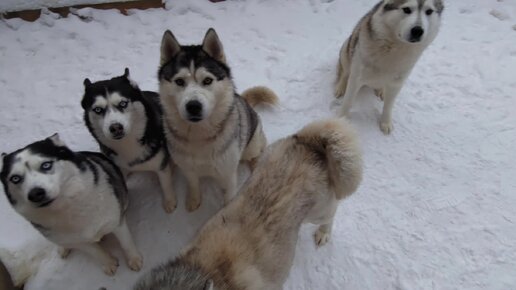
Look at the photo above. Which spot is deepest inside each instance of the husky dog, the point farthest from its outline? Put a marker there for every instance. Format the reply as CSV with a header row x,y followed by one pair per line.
x,y
209,128
250,243
71,198
127,124
383,49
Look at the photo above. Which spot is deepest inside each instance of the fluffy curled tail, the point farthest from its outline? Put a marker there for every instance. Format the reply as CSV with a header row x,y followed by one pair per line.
x,y
260,95
336,139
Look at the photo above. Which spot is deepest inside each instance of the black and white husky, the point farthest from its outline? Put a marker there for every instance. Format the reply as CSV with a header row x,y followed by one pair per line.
x,y
72,198
126,122
208,126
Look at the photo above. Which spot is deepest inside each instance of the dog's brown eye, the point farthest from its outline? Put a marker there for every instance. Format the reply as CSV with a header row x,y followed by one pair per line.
x,y
180,82
429,12
207,81
407,10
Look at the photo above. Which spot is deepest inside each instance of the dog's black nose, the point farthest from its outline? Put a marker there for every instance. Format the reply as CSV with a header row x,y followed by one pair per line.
x,y
416,32
37,194
116,129
194,108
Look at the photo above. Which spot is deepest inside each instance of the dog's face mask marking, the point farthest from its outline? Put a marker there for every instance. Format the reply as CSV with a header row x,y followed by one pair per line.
x,y
413,21
193,79
112,106
32,177
112,115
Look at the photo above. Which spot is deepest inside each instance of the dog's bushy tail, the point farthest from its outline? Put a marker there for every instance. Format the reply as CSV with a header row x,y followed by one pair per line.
x,y
260,95
336,139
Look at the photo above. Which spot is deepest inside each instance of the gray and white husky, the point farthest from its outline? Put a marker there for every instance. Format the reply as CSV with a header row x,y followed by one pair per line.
x,y
251,242
72,198
127,124
383,48
208,126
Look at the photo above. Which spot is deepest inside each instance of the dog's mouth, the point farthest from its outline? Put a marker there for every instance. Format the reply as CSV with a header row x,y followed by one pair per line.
x,y
195,119
118,136
45,203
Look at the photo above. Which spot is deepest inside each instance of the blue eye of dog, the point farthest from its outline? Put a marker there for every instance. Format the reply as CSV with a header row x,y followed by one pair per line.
x,y
15,179
180,82
45,166
407,10
98,110
207,81
429,12
123,104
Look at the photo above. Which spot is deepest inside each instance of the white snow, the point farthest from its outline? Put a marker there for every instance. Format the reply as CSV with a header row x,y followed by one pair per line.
x,y
19,5
437,206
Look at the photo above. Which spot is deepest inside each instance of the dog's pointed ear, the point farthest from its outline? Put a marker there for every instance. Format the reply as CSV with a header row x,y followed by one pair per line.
x,y
208,285
169,47
128,77
2,159
212,46
56,140
87,82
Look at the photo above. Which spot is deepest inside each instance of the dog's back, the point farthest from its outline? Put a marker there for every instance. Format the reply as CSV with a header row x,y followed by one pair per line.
x,y
250,243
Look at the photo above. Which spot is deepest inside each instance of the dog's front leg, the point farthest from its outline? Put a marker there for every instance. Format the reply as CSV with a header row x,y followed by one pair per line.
x,y
133,256
166,181
109,263
389,94
193,199
228,182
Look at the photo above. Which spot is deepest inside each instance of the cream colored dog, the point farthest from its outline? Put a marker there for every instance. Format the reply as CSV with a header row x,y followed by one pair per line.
x,y
383,48
250,243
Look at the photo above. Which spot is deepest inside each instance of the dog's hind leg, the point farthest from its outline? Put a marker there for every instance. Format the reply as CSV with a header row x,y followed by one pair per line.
x,y
323,233
166,181
109,263
63,252
229,183
343,71
133,256
342,81
352,89
255,148
389,94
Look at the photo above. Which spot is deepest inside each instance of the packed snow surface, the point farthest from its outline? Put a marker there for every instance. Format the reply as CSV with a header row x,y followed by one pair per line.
x,y
437,206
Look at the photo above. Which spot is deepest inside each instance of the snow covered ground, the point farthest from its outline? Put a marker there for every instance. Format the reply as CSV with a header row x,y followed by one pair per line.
x,y
437,207
19,5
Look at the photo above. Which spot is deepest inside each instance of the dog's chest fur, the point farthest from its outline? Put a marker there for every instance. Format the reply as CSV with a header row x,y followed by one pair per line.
x,y
84,213
129,154
386,62
210,148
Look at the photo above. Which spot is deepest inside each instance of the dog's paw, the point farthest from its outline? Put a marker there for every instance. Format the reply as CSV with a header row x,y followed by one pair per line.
x,y
386,127
321,237
111,267
192,203
339,92
135,263
64,252
169,205
379,94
